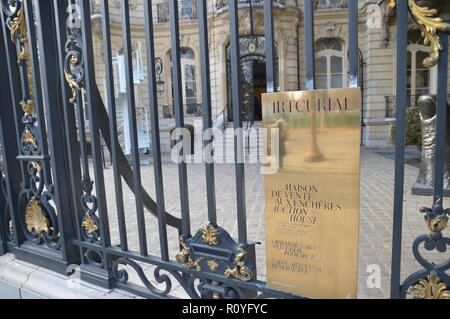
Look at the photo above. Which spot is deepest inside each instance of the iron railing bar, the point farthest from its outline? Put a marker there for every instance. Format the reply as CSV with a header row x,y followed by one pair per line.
x,y
82,132
15,73
14,80
92,102
156,139
353,43
237,119
37,86
207,113
270,49
22,73
10,148
310,46
109,85
46,29
176,266
441,120
137,182
179,113
73,154
402,44
125,167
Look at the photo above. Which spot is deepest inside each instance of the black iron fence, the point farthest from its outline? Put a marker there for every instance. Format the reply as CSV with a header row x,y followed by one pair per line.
x,y
54,203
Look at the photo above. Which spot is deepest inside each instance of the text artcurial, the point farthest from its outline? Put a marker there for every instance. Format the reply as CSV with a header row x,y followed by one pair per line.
x,y
321,104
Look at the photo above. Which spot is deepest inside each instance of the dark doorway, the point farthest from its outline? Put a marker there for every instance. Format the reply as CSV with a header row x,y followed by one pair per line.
x,y
259,87
253,76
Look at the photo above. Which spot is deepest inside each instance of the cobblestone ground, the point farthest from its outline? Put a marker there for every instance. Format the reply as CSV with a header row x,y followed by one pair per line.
x,y
377,181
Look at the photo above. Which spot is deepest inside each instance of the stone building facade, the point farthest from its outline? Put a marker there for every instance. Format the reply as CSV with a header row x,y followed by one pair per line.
x,y
377,60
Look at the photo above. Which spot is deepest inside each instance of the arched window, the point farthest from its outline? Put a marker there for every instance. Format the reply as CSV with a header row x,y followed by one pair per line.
x,y
421,80
329,63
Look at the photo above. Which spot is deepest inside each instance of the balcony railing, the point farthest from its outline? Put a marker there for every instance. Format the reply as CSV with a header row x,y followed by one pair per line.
x,y
331,4
187,10
391,103
189,110
220,4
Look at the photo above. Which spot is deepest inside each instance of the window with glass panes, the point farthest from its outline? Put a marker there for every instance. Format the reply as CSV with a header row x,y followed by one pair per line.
x,y
329,63
419,77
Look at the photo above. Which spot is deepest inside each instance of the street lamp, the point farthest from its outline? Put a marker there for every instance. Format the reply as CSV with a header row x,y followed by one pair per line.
x,y
160,85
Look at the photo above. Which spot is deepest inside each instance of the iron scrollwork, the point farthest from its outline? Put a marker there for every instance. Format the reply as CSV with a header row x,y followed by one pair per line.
x,y
74,76
241,270
39,221
7,223
199,257
432,282
184,257
429,23
73,65
213,250
195,286
121,275
90,222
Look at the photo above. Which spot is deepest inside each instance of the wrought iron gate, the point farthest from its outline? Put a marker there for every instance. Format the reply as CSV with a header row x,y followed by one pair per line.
x,y
54,208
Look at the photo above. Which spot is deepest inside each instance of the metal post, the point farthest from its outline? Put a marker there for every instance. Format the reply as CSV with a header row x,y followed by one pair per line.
x,y
206,99
156,139
309,45
126,30
10,125
113,125
270,47
237,119
353,43
402,44
73,154
179,113
441,120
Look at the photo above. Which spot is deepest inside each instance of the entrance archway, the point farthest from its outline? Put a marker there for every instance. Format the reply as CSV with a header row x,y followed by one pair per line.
x,y
253,76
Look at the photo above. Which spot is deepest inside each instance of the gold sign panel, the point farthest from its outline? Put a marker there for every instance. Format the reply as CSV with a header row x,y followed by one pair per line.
x,y
312,196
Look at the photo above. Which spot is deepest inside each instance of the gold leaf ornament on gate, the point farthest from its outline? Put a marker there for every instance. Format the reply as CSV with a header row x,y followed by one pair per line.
x,y
438,224
28,107
70,78
430,288
18,26
209,235
241,270
212,265
35,219
184,257
28,137
429,23
89,224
